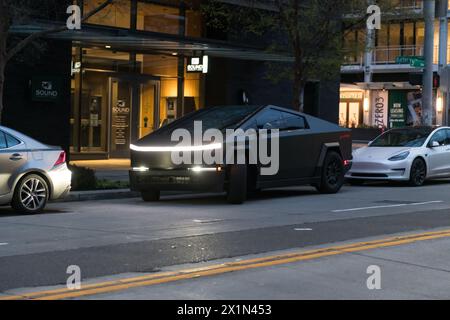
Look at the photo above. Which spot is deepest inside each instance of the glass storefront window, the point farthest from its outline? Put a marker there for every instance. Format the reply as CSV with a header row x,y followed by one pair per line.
x,y
157,18
117,14
167,19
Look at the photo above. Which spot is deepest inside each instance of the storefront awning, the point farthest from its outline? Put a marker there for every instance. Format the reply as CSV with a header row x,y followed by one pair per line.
x,y
148,42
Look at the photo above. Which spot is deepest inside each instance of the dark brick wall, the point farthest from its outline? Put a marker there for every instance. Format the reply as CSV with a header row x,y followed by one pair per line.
x,y
228,78
47,122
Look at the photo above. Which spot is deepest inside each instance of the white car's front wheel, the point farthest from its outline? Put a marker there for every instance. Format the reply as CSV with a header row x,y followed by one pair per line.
x,y
418,173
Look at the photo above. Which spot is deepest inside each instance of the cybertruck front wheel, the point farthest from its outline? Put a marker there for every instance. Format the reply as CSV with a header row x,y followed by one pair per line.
x,y
333,174
31,195
237,184
151,195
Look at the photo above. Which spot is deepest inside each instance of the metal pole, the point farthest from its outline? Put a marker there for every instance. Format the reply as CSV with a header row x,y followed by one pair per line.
x,y
443,32
429,14
442,10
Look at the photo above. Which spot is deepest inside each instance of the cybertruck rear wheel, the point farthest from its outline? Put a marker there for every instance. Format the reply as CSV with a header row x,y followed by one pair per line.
x,y
151,195
333,174
237,184
31,195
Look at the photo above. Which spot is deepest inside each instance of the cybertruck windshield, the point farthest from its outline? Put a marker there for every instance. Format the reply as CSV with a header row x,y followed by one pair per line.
x,y
216,118
402,138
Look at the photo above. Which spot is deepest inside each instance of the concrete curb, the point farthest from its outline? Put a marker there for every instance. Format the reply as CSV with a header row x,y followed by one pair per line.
x,y
99,195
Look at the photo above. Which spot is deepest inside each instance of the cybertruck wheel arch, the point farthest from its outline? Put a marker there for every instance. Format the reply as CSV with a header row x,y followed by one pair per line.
x,y
331,146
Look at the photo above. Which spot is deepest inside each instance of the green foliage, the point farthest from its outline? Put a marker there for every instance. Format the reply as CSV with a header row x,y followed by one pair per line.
x,y
310,31
83,178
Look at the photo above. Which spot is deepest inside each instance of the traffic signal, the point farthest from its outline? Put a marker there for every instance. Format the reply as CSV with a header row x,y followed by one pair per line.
x,y
416,79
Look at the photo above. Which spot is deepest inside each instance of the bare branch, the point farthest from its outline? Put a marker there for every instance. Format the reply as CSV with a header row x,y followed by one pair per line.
x,y
26,41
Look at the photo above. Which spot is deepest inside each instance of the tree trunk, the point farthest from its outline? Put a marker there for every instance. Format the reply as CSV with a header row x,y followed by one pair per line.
x,y
298,91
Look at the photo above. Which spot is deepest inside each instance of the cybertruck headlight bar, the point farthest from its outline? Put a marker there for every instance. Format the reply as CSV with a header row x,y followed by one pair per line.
x,y
214,146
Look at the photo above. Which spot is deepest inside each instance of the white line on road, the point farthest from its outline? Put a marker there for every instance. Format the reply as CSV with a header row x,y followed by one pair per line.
x,y
390,206
303,229
3,243
207,221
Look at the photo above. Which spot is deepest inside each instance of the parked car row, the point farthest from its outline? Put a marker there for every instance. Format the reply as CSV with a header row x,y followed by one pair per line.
x,y
311,151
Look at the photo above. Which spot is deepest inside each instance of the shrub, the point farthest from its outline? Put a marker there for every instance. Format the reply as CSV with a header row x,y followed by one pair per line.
x,y
83,178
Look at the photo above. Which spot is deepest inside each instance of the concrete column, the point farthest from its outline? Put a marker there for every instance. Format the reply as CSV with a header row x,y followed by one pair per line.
x,y
429,15
181,61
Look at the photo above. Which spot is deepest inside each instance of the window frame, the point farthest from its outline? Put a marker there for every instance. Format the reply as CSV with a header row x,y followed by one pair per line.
x,y
5,134
305,122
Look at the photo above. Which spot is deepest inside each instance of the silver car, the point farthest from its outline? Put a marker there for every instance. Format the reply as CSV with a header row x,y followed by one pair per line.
x,y
412,155
31,173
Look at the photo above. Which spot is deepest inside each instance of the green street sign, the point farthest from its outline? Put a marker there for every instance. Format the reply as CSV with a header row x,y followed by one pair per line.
x,y
409,60
417,63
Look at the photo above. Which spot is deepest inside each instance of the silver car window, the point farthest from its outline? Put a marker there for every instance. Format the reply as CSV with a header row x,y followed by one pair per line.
x,y
3,144
11,141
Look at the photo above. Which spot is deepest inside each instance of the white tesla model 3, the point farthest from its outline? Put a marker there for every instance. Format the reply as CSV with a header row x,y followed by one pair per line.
x,y
413,155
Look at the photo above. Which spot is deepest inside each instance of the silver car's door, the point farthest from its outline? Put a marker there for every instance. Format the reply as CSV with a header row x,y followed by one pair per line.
x,y
447,154
438,156
13,156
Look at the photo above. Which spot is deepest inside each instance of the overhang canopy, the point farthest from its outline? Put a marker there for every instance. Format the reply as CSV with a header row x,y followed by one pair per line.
x,y
149,42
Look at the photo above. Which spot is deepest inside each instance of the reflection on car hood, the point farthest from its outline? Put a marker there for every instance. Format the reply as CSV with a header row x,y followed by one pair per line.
x,y
378,153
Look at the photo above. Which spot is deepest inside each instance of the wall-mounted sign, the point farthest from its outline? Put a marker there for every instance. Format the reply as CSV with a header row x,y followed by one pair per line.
x,y
76,67
45,89
352,95
397,115
380,108
198,65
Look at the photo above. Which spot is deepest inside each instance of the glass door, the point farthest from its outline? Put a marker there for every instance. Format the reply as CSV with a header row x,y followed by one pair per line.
x,y
120,103
149,115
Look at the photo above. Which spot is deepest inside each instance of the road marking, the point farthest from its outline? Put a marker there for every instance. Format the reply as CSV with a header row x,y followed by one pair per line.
x,y
4,243
388,206
303,229
208,271
208,221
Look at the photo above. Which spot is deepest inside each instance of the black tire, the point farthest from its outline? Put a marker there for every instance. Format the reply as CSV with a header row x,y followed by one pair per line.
x,y
333,174
237,184
418,173
31,195
151,195
356,182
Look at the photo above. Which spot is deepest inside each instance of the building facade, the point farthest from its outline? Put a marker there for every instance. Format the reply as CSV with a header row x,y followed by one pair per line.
x,y
381,79
134,67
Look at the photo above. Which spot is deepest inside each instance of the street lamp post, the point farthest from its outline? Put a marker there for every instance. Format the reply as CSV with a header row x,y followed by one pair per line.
x,y
442,12
429,15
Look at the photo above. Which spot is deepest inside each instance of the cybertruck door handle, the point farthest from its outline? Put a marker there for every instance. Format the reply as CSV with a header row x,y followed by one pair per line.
x,y
16,157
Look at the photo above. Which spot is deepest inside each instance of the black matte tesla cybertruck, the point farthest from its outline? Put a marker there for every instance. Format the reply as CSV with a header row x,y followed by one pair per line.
x,y
311,152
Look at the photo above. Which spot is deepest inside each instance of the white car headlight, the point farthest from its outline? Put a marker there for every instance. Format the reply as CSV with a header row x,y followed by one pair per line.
x,y
400,157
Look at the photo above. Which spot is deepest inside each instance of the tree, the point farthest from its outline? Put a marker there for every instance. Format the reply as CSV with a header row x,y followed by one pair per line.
x,y
20,12
310,31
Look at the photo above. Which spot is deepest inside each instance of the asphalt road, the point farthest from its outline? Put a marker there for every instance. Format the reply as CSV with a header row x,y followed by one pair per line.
x,y
114,238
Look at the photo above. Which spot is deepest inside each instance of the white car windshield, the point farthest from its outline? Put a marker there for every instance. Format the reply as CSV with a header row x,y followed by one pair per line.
x,y
403,138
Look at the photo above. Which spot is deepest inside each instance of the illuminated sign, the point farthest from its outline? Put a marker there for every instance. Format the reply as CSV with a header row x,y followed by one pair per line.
x,y
46,89
198,65
351,95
